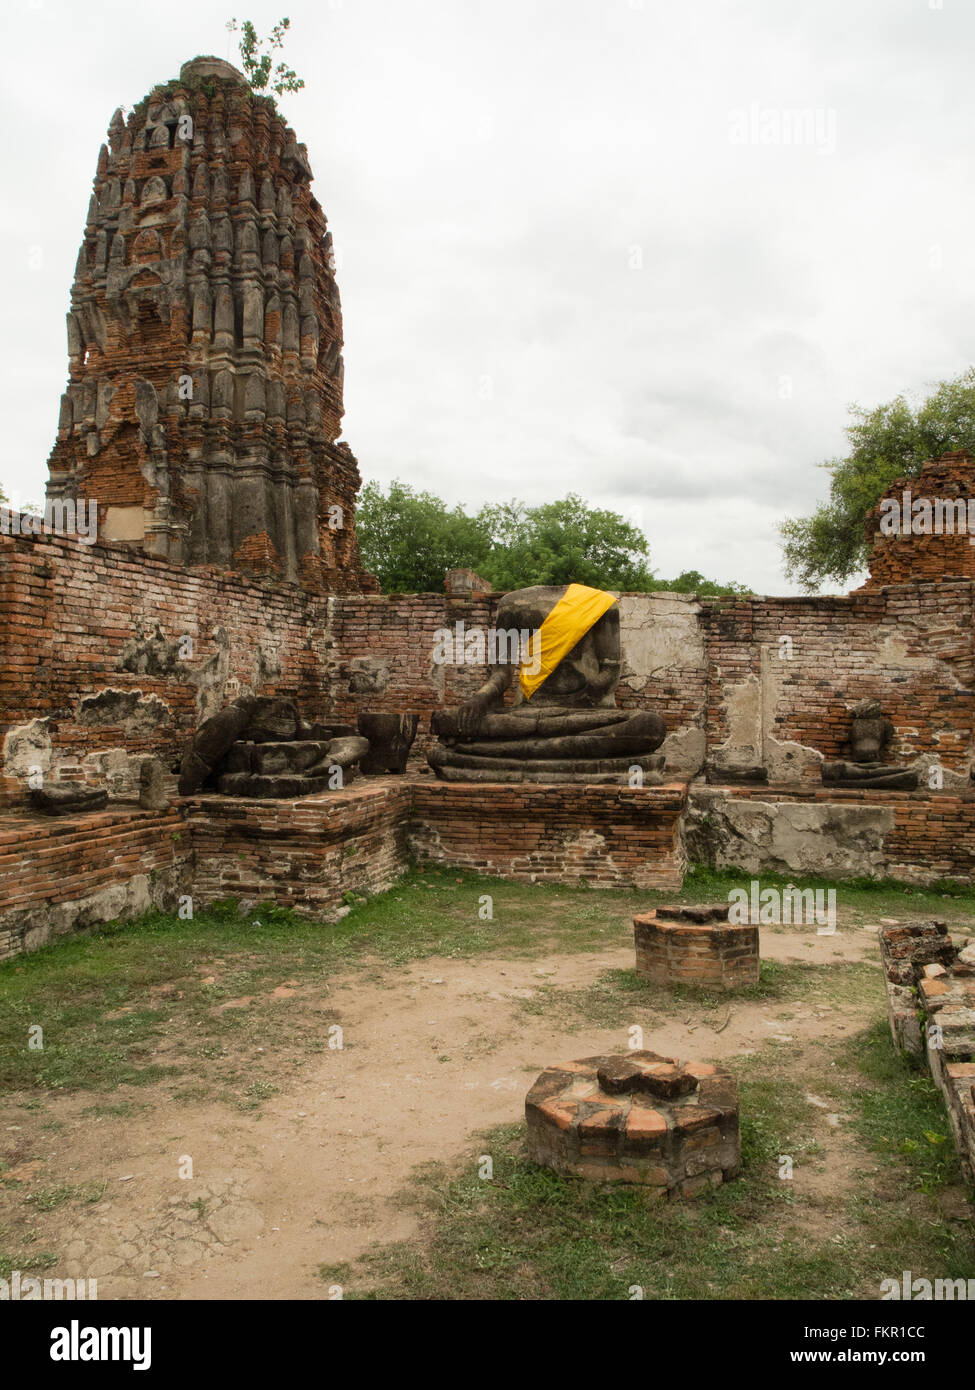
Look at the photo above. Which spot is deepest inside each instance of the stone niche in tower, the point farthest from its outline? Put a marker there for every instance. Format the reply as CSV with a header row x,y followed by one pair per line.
x,y
204,400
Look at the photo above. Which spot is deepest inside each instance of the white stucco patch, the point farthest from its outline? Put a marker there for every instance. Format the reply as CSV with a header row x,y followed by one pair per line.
x,y
659,635
27,746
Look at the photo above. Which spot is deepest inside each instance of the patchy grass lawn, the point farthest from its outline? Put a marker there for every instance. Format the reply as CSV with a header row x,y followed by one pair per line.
x,y
648,1004
161,1009
525,1233
139,1002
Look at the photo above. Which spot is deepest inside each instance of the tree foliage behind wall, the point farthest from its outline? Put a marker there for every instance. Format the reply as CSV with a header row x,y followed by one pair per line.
x,y
409,540
562,542
888,442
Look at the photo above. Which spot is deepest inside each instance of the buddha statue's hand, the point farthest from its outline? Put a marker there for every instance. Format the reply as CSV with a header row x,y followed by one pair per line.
x,y
469,717
606,679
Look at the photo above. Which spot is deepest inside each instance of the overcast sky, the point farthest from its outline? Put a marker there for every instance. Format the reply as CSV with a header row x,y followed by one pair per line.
x,y
579,246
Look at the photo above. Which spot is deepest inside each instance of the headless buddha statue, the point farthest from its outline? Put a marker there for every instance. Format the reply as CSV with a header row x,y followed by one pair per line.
x,y
870,733
563,725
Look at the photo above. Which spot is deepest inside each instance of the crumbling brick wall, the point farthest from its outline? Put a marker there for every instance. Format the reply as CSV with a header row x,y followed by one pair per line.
x,y
786,672
899,558
62,875
87,682
106,656
931,1002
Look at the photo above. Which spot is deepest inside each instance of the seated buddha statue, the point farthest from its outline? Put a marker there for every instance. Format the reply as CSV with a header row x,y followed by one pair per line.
x,y
563,725
870,733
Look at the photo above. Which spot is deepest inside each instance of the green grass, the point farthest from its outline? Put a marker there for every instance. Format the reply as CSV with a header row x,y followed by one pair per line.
x,y
97,995
122,1109
900,1113
109,998
529,1234
27,1261
129,1005
868,898
50,1198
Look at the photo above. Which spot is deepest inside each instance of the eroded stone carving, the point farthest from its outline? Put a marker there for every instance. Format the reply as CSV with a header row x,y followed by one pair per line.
x,y
67,798
259,746
150,652
204,392
390,740
152,785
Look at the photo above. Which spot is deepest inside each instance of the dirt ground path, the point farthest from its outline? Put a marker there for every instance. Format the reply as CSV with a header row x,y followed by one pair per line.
x,y
432,1053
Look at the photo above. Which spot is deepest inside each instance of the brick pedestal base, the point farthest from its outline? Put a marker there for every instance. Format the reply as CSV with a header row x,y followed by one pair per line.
x,y
608,837
303,854
637,1118
695,945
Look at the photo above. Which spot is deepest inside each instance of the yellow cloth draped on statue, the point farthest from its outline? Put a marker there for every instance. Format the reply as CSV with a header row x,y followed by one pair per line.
x,y
576,612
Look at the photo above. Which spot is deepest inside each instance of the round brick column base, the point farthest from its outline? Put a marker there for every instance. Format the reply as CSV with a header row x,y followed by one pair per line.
x,y
637,1118
691,944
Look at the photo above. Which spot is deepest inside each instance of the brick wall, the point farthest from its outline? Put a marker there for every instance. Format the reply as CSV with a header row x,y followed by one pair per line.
x,y
384,647
905,556
714,669
605,836
68,612
910,647
60,875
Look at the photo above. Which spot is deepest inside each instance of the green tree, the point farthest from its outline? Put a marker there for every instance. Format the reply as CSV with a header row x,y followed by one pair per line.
x,y
889,442
561,543
693,582
257,65
409,540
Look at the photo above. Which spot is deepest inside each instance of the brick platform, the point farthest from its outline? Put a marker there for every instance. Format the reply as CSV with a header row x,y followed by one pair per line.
x,y
637,1118
307,853
918,837
304,854
57,875
695,945
609,837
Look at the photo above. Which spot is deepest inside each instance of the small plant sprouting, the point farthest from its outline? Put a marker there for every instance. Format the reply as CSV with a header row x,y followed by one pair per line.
x,y
258,65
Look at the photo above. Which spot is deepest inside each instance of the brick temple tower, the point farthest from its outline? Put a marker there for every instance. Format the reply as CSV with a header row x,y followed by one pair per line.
x,y
923,528
204,397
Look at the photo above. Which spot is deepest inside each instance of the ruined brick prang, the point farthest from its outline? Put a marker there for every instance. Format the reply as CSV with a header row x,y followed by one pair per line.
x,y
934,541
204,399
